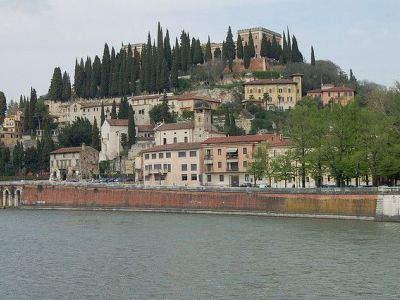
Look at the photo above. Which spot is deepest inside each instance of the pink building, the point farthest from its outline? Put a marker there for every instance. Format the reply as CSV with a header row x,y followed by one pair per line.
x,y
328,93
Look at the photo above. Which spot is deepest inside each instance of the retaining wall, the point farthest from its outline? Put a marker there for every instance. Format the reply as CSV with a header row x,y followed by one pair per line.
x,y
333,204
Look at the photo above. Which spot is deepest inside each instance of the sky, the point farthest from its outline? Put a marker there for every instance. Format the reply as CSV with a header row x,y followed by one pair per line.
x,y
38,35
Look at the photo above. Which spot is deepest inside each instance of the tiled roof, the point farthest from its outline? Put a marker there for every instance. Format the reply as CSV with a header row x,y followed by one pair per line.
x,y
175,126
333,89
273,139
67,150
117,122
145,128
145,97
172,147
270,81
193,97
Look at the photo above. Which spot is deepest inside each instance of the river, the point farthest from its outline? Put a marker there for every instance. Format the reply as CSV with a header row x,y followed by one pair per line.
x,y
125,255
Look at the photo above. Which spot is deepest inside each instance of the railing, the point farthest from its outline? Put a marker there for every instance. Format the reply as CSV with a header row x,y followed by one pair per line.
x,y
208,157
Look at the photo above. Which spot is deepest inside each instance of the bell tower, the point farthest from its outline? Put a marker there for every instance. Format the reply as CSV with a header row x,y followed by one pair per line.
x,y
202,116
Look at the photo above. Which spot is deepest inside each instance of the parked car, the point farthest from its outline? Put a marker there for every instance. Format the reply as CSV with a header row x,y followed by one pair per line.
x,y
246,184
263,186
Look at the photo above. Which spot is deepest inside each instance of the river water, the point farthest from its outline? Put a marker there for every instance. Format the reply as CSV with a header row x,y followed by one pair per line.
x,y
125,255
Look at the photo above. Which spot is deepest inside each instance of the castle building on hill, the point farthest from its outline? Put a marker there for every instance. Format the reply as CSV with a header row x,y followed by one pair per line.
x,y
274,94
257,34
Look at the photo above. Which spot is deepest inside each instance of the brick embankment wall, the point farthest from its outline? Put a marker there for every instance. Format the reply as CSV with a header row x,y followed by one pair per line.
x,y
335,204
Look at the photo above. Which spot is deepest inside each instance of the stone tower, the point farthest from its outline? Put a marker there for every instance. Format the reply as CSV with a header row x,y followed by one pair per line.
x,y
202,116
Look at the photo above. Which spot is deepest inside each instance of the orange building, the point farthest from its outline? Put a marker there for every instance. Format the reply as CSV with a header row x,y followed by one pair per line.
x,y
328,93
188,102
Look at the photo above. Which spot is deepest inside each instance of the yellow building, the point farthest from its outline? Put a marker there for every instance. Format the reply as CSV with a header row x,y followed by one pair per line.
x,y
274,94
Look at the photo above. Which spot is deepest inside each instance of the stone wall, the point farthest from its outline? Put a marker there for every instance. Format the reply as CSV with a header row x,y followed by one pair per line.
x,y
360,205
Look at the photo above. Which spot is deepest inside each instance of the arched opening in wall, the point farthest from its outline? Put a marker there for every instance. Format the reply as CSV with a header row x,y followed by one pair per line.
x,y
64,175
6,198
54,175
17,197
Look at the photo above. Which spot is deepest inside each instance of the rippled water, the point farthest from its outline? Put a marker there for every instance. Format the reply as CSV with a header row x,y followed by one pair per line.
x,y
117,255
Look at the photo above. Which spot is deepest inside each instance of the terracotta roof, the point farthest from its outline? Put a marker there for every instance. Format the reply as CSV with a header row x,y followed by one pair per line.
x,y
145,97
273,139
117,122
270,81
67,150
175,126
333,89
172,147
145,128
193,97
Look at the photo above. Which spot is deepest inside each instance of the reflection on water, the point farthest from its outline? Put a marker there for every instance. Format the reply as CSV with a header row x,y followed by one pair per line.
x,y
116,255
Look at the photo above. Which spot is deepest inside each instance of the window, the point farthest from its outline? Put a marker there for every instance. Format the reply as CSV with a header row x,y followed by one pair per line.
x,y
219,151
193,167
161,155
183,167
168,155
244,150
209,178
184,177
244,164
182,154
175,140
193,153
153,155
221,178
219,165
194,177
246,177
164,141
157,166
185,139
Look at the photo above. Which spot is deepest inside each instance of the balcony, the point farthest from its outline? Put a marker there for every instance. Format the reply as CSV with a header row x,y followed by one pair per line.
x,y
208,159
232,169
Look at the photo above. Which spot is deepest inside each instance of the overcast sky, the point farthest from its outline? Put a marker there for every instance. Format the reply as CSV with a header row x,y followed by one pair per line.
x,y
38,35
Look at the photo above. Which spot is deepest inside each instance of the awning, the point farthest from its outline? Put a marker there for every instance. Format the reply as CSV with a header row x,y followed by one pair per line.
x,y
231,150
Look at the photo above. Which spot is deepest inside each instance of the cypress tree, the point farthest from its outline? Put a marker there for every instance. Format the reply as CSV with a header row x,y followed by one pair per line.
x,y
164,77
88,77
296,54
26,117
174,71
123,109
77,79
197,52
264,46
95,135
239,47
147,68
312,56
66,87
131,127
96,77
21,103
167,50
3,106
56,85
113,85
105,72
252,49
103,115
285,53
230,48
217,53
269,48
32,112
154,68
275,49
289,46
114,110
352,78
208,54
246,56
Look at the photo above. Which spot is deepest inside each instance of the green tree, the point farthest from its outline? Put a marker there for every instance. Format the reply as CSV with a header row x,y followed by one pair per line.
x,y
75,134
239,47
264,46
18,157
123,108
95,135
3,106
113,114
246,56
260,163
161,113
105,72
174,73
33,121
56,85
208,54
252,49
131,127
103,115
296,54
230,48
312,56
282,168
66,87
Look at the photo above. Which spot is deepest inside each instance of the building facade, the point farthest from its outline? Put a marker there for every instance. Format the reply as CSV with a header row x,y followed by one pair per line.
x,y
74,163
111,133
328,93
14,123
181,103
257,34
274,94
172,165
